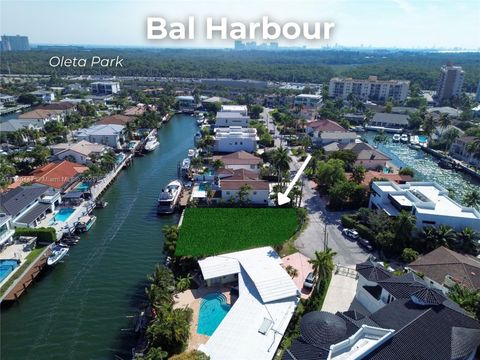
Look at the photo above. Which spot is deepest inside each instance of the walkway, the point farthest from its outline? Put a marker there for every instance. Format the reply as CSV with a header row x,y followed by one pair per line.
x,y
341,291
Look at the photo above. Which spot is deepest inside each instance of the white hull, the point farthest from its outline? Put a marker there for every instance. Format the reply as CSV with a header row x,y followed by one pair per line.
x,y
169,197
58,253
151,145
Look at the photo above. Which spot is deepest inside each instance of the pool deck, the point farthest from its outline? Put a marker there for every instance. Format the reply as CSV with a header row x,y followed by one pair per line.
x,y
14,251
192,299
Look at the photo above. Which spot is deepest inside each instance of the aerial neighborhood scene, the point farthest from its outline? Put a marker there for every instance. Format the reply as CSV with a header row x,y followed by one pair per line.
x,y
309,196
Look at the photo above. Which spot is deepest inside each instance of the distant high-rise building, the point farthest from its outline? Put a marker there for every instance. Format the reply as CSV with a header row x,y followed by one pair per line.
x,y
450,82
15,43
105,87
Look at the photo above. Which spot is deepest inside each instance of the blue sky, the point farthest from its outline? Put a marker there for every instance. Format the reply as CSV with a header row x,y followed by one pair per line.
x,y
389,23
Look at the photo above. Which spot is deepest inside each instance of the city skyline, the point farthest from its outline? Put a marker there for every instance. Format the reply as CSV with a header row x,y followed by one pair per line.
x,y
403,24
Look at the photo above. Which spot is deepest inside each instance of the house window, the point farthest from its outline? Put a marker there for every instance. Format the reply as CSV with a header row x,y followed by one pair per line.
x,y
428,222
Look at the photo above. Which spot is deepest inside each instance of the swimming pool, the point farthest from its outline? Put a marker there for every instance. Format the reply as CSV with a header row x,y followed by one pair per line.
x,y
63,214
213,309
203,186
6,267
83,186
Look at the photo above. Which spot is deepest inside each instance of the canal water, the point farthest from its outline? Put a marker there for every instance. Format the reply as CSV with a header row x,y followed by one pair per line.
x,y
426,167
79,309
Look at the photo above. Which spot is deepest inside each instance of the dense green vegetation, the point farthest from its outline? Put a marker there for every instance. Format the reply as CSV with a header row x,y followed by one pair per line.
x,y
44,235
314,66
211,231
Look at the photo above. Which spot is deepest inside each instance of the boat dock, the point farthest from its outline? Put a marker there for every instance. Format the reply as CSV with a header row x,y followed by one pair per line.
x,y
20,285
185,197
458,165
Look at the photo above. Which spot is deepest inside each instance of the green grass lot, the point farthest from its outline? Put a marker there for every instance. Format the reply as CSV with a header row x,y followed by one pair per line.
x,y
213,231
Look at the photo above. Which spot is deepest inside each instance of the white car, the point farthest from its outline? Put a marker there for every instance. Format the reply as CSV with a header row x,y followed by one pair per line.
x,y
351,233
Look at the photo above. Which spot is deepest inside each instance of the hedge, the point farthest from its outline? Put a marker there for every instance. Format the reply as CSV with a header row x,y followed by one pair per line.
x,y
44,235
365,232
348,222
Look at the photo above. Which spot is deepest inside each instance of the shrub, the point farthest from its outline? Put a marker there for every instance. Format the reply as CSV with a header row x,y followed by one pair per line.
x,y
409,255
348,222
44,235
365,232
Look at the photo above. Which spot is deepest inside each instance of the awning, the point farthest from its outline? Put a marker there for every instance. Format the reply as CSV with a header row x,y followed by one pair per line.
x,y
33,213
73,195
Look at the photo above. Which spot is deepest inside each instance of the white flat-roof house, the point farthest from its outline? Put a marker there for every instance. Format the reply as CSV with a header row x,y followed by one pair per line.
x,y
242,109
235,138
428,201
256,322
6,229
81,152
186,103
307,100
110,135
105,87
44,95
231,118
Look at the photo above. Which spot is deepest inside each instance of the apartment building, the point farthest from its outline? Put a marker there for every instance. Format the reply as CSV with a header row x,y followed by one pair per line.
x,y
231,118
450,82
105,87
369,89
307,100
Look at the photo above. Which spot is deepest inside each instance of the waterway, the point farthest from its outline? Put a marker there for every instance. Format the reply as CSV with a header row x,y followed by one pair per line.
x,y
78,309
426,167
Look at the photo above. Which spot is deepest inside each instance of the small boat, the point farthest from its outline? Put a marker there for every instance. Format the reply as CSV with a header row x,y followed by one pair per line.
x,y
169,197
200,118
151,144
58,253
414,146
85,223
396,138
446,164
69,242
101,204
404,138
185,167
192,153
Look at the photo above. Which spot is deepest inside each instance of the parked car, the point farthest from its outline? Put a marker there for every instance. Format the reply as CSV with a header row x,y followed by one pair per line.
x,y
351,233
309,281
365,244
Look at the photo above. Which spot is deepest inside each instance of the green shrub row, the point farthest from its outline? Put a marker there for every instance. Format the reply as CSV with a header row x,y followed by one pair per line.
x,y
44,235
348,222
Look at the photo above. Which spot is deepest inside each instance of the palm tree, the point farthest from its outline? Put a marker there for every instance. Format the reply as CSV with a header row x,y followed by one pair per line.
x,y
404,225
358,173
449,137
445,236
184,283
322,265
467,241
467,298
472,199
281,161
291,271
445,122
217,164
243,193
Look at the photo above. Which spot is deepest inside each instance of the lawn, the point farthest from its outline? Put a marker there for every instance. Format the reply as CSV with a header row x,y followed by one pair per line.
x,y
211,231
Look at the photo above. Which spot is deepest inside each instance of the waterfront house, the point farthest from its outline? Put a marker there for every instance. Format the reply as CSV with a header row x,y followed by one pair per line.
x,y
81,152
64,106
15,125
338,137
461,150
231,118
6,229
116,119
40,117
58,175
267,297
214,100
106,134
105,87
307,100
372,175
241,109
315,128
186,103
443,268
240,160
389,121
28,205
232,182
398,318
367,155
139,110
428,201
45,96
7,99
235,138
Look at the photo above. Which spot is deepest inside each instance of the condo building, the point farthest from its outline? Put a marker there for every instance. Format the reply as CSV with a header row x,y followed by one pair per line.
x,y
450,82
15,43
370,89
105,88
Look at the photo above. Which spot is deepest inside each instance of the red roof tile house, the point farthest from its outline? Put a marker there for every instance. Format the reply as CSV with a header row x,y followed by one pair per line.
x,y
58,175
116,120
240,160
232,182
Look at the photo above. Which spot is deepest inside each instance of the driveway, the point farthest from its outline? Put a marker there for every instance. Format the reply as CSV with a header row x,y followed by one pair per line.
x,y
321,222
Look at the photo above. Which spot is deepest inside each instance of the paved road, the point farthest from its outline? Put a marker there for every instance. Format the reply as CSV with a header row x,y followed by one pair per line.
x,y
313,237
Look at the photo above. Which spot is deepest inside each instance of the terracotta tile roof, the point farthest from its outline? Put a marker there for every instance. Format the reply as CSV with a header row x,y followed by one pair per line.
x,y
57,174
134,111
239,174
371,175
64,105
325,125
115,119
39,114
237,184
238,158
442,262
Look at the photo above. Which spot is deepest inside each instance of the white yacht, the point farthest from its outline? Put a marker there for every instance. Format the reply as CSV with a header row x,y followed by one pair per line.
x,y
58,253
151,144
185,168
200,118
404,138
169,197
396,138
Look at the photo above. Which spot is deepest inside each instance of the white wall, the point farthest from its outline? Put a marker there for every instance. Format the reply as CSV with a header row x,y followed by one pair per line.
x,y
231,144
255,196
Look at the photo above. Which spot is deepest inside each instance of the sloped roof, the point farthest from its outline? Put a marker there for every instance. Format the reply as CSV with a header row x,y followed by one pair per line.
x,y
39,114
237,184
238,158
83,147
237,174
372,271
57,174
325,125
442,262
13,201
388,118
115,120
322,328
101,129
63,105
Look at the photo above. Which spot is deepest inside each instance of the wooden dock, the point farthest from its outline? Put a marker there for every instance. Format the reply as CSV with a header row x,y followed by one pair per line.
x,y
20,285
185,197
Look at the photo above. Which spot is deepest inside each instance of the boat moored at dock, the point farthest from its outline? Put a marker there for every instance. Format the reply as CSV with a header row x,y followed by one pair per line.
x,y
169,197
396,138
85,223
404,138
58,253
151,144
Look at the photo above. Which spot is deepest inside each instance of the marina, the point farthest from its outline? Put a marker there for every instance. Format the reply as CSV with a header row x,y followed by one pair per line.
x,y
77,310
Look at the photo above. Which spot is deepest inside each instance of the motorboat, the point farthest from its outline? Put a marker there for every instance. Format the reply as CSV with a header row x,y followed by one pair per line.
x,y
58,253
200,118
396,138
169,197
192,153
446,163
404,138
85,223
151,144
185,167
101,204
